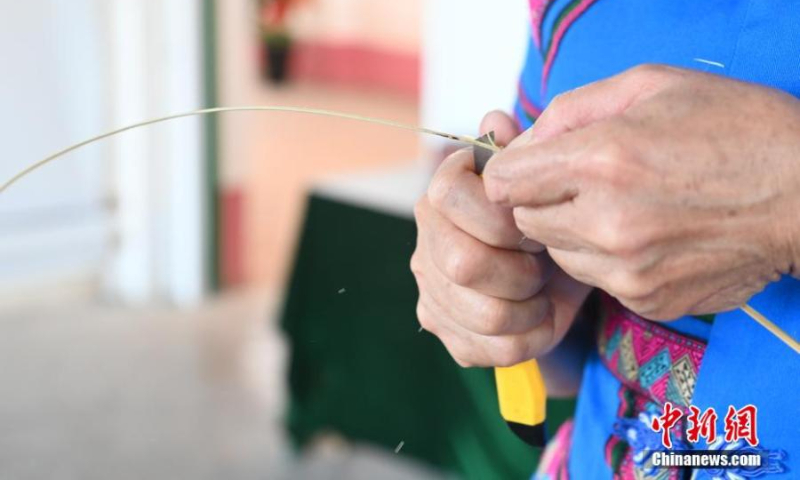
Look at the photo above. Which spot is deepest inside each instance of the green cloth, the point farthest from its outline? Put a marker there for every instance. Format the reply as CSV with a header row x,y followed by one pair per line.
x,y
360,367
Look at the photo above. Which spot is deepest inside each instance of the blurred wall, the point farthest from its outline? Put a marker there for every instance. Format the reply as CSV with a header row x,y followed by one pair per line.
x,y
123,217
55,226
386,25
473,52
350,55
369,44
386,30
160,171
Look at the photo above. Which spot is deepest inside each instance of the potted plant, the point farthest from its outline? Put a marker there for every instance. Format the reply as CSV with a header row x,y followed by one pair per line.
x,y
276,41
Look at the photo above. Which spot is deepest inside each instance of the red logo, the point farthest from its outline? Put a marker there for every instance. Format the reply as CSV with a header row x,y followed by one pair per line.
x,y
666,422
704,425
739,424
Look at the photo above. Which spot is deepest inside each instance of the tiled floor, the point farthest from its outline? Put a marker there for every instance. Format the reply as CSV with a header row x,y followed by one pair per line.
x,y
99,392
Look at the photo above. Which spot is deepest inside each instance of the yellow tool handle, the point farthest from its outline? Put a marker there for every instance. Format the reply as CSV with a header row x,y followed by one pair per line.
x,y
520,388
521,393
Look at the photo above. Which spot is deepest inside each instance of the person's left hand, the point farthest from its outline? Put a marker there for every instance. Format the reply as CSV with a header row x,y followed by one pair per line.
x,y
676,192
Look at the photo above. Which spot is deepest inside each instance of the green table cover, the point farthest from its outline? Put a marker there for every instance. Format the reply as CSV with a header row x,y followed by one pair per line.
x,y
359,365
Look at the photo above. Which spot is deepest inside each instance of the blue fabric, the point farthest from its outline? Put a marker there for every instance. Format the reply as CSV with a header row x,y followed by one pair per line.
x,y
745,364
753,40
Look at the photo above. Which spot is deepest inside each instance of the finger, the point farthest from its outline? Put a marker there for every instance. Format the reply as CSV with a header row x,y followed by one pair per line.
x,y
431,319
471,349
467,262
595,269
458,194
485,314
564,226
633,290
600,100
504,127
540,166
569,294
541,173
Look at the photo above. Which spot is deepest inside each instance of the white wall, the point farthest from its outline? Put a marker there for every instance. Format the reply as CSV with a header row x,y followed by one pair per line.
x,y
127,214
156,69
56,223
473,52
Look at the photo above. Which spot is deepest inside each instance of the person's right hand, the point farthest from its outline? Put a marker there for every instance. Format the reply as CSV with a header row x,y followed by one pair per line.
x,y
492,297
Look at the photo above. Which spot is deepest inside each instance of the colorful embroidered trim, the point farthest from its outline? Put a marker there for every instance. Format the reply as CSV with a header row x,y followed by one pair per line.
x,y
773,462
553,463
654,365
565,19
531,110
649,359
634,442
538,11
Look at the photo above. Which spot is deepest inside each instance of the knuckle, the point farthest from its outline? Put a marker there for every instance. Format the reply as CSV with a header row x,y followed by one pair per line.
x,y
558,102
651,309
628,234
618,234
416,263
458,351
440,191
425,319
631,286
651,76
555,108
510,351
647,71
496,317
463,363
422,313
612,157
462,265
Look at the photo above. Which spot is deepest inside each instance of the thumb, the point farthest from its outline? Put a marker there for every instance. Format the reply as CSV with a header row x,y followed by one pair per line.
x,y
504,127
600,100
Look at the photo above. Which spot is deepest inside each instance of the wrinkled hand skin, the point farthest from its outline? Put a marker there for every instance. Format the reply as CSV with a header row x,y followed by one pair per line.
x,y
676,192
492,298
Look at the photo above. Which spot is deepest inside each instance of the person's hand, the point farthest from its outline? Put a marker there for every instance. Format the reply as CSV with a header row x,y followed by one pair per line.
x,y
677,192
490,295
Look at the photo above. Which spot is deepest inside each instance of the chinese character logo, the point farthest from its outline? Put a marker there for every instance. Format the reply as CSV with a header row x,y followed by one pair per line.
x,y
666,422
739,424
701,426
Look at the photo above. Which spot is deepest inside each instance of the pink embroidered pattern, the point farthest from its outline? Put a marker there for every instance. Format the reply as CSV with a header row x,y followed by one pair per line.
x,y
648,358
538,8
566,17
553,463
532,111
655,365
560,30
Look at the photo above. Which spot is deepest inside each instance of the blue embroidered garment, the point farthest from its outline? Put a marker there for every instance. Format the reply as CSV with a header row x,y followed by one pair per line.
x,y
576,42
